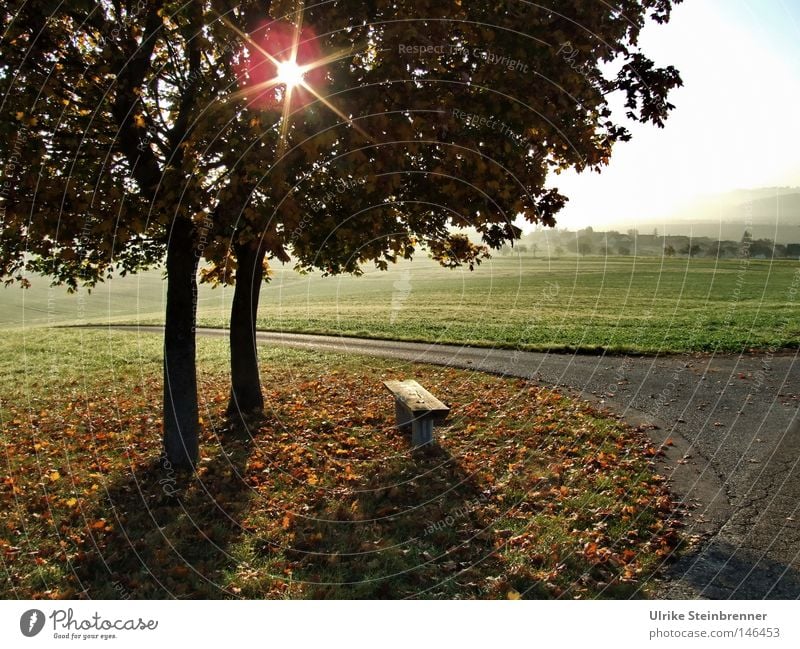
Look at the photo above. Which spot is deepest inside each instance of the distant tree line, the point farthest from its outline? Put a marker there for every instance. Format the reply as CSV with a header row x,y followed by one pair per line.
x,y
581,243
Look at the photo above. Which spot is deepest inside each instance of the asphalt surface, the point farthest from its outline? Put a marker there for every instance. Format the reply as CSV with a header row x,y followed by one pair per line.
x,y
734,454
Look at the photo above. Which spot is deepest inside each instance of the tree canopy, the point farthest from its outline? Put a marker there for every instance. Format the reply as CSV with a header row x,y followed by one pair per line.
x,y
444,113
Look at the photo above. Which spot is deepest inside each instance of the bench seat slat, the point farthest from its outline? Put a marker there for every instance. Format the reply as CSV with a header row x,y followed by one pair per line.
x,y
417,399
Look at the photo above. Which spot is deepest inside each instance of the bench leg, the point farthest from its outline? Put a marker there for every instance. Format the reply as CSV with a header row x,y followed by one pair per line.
x,y
421,431
402,415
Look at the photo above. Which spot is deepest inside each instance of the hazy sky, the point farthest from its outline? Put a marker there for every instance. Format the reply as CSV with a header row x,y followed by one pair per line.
x,y
736,121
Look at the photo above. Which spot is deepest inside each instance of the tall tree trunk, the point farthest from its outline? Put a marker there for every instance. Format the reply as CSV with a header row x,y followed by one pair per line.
x,y
246,397
180,372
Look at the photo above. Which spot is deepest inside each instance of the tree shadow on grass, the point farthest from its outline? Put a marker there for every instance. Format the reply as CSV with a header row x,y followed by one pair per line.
x,y
159,533
418,528
414,525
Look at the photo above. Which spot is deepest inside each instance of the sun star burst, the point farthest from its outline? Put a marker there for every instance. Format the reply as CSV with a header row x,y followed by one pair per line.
x,y
299,80
290,74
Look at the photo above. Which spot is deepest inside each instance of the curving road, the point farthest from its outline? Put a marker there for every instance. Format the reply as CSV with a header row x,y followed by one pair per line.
x,y
734,461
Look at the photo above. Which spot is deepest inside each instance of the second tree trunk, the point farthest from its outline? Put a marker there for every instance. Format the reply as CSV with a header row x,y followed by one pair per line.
x,y
246,398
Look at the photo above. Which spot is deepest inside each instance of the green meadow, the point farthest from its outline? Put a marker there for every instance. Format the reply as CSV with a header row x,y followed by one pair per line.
x,y
643,305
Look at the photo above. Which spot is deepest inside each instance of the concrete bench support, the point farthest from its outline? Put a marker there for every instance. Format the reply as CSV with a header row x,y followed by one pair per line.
x,y
416,409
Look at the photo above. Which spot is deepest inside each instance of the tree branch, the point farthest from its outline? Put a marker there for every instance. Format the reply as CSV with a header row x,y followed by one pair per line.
x,y
144,165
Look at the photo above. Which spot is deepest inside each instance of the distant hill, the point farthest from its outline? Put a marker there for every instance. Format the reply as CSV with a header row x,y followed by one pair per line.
x,y
768,213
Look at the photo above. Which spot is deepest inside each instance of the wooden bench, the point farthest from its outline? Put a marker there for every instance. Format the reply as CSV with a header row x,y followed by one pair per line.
x,y
417,409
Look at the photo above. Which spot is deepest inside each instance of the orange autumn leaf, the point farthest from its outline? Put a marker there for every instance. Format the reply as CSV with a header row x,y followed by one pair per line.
x,y
179,571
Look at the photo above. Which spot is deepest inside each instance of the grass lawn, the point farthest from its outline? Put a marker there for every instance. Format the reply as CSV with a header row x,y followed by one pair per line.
x,y
527,494
619,303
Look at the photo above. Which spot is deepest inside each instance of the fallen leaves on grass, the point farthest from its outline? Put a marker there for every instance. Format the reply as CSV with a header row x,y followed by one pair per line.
x,y
526,494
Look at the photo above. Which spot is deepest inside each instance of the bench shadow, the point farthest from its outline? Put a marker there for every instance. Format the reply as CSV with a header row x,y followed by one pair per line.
x,y
158,533
413,531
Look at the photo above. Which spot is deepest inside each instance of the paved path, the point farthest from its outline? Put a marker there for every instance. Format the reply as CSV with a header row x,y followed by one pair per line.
x,y
735,462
